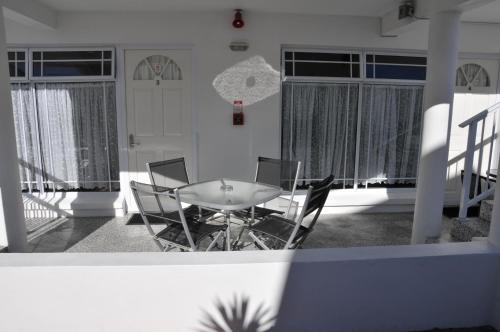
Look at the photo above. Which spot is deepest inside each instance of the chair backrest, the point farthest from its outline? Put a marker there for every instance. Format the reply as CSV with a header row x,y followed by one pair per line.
x,y
146,200
146,196
276,172
280,173
317,193
170,173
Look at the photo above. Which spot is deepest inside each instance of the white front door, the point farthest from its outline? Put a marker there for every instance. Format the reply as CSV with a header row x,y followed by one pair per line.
x,y
158,92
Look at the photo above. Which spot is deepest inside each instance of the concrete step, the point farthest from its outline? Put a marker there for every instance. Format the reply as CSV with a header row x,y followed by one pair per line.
x,y
465,231
486,209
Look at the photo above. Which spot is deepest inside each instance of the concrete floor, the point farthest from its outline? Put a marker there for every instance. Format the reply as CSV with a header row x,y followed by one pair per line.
x,y
331,231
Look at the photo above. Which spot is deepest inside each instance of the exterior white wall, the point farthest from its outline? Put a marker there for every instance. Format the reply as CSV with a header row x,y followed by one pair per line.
x,y
224,150
496,309
405,288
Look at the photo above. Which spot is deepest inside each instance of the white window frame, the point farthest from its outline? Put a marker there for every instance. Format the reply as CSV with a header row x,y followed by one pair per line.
x,y
26,64
100,78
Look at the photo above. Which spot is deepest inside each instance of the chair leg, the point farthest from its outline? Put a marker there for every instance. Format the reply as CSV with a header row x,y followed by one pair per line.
x,y
214,241
158,243
258,241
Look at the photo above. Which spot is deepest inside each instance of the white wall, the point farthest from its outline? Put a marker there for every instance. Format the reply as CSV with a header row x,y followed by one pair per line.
x,y
496,309
404,288
225,150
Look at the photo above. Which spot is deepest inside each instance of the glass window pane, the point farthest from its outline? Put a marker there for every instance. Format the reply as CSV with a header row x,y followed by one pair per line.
x,y
288,55
107,68
72,55
369,58
21,72
322,56
320,69
88,154
12,55
355,70
12,69
72,69
108,54
369,71
289,68
37,69
37,55
409,60
400,72
355,57
315,117
20,56
390,134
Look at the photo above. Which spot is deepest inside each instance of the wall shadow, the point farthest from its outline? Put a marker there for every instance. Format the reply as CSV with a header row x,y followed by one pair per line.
x,y
236,316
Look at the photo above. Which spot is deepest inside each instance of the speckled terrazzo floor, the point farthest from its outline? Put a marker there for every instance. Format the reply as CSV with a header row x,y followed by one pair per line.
x,y
331,231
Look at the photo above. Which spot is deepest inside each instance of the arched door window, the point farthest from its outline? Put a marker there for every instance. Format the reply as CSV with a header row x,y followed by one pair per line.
x,y
472,75
157,67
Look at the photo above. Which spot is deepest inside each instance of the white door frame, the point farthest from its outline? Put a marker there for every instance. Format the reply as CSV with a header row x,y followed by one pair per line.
x,y
121,109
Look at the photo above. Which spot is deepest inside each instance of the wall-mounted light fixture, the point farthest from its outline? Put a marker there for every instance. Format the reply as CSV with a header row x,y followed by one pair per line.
x,y
238,22
238,46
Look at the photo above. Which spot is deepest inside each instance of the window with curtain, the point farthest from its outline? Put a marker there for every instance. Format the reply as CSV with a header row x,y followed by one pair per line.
x,y
365,130
391,118
66,136
65,118
319,122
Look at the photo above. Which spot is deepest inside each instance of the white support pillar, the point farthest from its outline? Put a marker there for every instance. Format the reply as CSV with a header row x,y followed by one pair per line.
x,y
438,101
494,236
12,225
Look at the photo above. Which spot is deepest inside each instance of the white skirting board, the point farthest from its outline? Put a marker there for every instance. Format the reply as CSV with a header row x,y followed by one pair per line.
x,y
89,204
77,204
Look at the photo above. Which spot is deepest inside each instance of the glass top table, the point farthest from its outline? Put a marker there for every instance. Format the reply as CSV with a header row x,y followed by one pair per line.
x,y
228,195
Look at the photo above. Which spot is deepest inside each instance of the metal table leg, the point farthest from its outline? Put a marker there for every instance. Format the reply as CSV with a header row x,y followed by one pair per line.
x,y
227,220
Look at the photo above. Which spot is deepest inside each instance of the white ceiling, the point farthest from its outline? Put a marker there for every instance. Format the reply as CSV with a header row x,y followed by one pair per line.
x,y
373,8
326,7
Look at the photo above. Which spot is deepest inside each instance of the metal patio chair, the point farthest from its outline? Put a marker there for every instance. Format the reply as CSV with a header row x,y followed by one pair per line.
x,y
171,174
186,233
277,232
280,173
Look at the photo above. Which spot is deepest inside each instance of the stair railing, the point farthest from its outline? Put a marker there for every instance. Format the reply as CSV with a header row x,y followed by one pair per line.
x,y
466,201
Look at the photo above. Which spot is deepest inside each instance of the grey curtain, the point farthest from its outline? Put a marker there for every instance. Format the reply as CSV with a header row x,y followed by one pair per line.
x,y
25,119
75,127
390,133
319,128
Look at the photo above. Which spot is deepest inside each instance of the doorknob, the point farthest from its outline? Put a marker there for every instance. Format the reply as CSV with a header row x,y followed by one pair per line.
x,y
132,142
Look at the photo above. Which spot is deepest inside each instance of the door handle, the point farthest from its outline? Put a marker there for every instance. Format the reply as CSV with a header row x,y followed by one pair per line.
x,y
132,142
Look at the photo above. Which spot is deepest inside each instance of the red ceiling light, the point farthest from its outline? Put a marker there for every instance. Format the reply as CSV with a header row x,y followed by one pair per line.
x,y
238,22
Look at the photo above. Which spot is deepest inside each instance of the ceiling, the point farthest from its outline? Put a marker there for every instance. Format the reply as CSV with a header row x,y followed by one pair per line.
x,y
372,8
326,7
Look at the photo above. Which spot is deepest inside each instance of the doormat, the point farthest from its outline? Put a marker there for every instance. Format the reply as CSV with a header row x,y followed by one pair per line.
x,y
136,219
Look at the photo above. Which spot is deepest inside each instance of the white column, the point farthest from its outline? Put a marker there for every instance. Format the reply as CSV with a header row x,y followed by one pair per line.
x,y
12,223
438,101
494,236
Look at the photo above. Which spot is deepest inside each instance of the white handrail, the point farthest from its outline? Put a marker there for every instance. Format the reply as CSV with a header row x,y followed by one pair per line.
x,y
481,115
466,200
